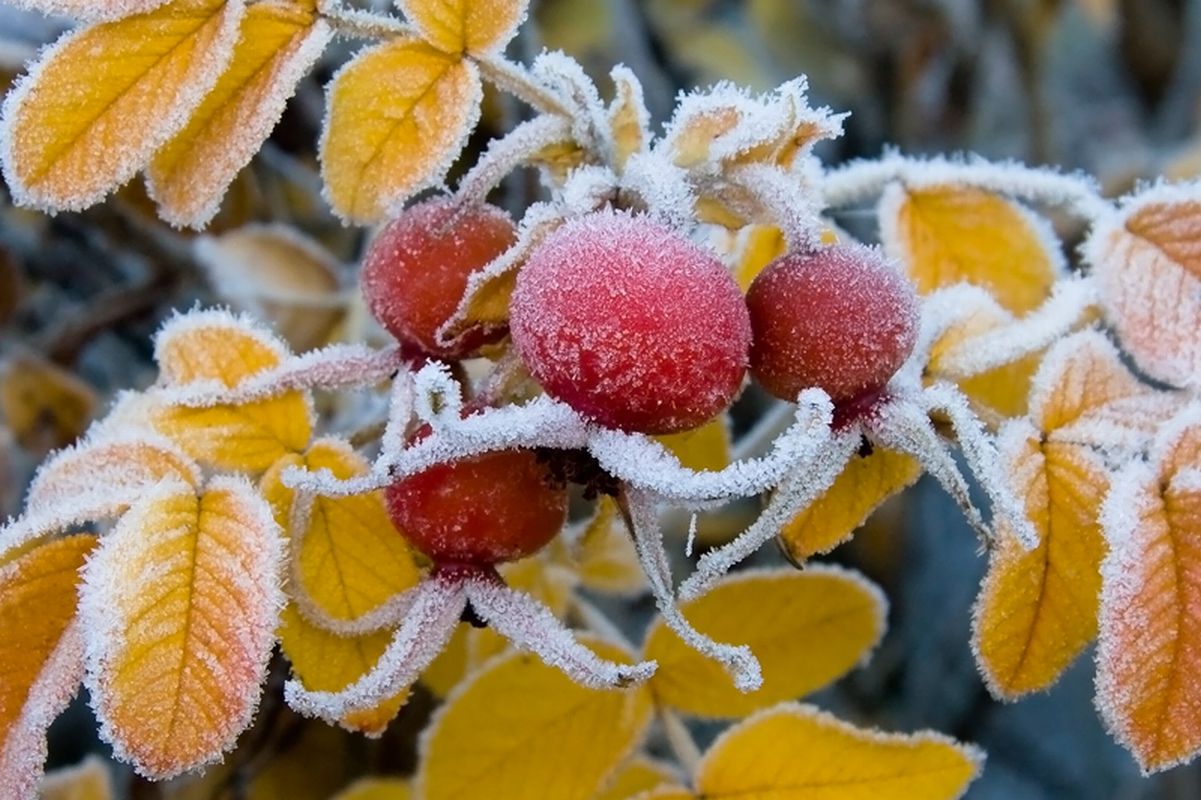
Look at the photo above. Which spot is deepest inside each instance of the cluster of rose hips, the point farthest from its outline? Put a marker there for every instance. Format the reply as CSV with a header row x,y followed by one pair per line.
x,y
632,325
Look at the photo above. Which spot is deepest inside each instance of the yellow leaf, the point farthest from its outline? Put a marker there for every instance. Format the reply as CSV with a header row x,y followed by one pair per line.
x,y
1037,608
641,774
278,42
757,246
377,148
1148,268
100,101
348,560
604,558
474,26
865,483
667,793
214,346
39,673
311,761
376,789
806,628
181,601
90,779
1149,657
796,752
445,672
45,406
703,448
276,273
949,234
327,662
520,724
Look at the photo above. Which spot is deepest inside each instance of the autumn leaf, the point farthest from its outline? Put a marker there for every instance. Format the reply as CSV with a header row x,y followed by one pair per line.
x,y
1037,609
90,779
277,274
796,751
65,492
348,559
604,557
376,789
640,774
949,234
807,629
1149,656
376,149
278,42
41,654
1148,267
519,723
45,406
473,26
180,603
862,486
66,139
218,348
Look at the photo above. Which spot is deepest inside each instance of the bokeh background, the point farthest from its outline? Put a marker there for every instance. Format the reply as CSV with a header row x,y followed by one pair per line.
x,y
1109,87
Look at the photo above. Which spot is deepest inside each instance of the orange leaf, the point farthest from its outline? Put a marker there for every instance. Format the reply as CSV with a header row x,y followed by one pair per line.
x,y
1149,657
377,148
41,654
1147,260
862,486
1037,608
43,405
796,751
278,42
101,100
181,603
474,26
951,234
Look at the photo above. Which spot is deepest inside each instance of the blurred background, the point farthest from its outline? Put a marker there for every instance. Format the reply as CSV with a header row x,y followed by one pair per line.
x,y
1109,87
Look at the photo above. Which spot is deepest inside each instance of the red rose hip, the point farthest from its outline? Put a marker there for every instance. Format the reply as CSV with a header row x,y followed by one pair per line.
x,y
481,511
840,318
416,269
631,324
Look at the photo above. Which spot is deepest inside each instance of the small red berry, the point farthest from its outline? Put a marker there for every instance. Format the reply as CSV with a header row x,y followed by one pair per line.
x,y
486,510
416,269
841,318
630,323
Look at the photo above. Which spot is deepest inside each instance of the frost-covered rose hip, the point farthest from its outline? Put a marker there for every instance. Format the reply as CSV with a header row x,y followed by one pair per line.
x,y
416,269
631,324
840,318
486,510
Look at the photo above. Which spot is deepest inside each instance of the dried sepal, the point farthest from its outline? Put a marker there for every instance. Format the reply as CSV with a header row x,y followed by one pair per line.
x,y
629,120
434,608
738,661
807,479
529,625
